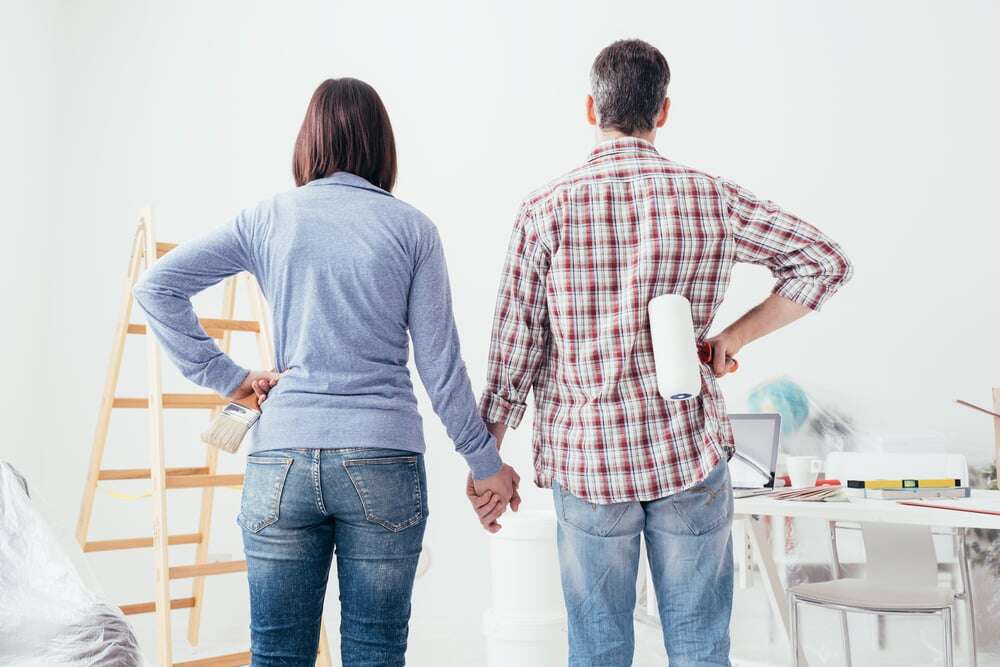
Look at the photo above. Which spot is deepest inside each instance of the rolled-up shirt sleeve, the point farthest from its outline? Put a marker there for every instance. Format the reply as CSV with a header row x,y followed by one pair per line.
x,y
808,265
520,326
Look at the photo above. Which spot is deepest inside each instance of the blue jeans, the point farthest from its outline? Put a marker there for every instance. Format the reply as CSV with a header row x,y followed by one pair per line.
x,y
689,542
300,506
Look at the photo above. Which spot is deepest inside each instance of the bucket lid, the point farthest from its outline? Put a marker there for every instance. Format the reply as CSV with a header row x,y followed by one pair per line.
x,y
526,628
528,525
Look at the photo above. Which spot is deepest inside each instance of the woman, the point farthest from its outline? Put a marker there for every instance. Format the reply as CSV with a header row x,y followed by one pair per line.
x,y
336,460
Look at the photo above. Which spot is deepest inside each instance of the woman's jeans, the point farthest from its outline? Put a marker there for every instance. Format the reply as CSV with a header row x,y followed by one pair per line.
x,y
299,507
690,550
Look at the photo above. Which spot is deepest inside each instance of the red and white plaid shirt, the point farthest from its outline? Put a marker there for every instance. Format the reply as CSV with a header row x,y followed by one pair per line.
x,y
587,254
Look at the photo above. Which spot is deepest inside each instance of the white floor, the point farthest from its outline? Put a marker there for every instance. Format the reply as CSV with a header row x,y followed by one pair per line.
x,y
755,642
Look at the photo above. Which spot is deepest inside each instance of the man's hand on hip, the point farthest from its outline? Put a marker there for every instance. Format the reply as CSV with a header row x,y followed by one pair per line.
x,y
770,315
724,349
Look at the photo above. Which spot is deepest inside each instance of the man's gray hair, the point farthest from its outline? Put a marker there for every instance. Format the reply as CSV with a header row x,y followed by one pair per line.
x,y
629,82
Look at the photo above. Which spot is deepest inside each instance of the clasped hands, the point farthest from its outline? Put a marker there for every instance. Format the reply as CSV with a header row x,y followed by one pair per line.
x,y
492,496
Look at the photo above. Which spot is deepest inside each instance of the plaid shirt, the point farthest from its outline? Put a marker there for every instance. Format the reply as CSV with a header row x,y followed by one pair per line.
x,y
587,254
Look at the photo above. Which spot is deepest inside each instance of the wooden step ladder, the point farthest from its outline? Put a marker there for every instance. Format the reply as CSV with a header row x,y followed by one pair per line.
x,y
145,251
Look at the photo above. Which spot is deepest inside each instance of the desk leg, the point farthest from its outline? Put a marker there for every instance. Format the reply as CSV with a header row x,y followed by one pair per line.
x,y
962,555
761,548
744,555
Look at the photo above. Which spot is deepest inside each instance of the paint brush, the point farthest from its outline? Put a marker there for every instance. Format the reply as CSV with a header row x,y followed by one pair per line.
x,y
229,427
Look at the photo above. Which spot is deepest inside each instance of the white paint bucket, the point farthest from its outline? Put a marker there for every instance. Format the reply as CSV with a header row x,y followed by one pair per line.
x,y
525,641
524,565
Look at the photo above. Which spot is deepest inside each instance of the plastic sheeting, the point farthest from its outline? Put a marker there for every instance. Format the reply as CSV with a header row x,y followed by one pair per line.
x,y
48,616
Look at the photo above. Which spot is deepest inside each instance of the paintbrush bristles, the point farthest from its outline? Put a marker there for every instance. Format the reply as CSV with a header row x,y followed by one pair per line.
x,y
225,433
229,427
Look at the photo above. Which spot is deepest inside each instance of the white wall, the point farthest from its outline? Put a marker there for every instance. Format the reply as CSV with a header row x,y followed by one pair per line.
x,y
27,179
874,121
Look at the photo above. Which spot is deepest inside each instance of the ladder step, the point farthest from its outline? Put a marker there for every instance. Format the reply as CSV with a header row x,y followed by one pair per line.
x,y
143,473
184,401
228,660
214,327
201,481
163,248
207,569
150,607
139,542
141,330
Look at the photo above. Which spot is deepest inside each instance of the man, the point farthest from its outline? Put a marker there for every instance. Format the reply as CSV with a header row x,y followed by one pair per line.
x,y
587,254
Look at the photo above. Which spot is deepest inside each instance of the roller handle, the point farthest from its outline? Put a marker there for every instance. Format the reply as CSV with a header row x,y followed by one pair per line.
x,y
705,354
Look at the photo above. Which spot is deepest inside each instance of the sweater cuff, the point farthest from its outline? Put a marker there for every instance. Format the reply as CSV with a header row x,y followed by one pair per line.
x,y
485,461
225,375
495,409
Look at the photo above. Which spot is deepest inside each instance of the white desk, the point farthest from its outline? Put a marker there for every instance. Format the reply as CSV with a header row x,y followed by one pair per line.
x,y
885,511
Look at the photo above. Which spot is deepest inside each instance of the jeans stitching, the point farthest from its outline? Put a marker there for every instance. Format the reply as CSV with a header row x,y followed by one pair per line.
x,y
357,489
317,482
417,505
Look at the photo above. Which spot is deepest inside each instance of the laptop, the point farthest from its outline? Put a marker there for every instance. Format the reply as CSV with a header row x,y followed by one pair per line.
x,y
757,440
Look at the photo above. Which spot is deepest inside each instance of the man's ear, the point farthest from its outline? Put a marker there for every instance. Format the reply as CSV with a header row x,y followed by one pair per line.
x,y
661,119
591,110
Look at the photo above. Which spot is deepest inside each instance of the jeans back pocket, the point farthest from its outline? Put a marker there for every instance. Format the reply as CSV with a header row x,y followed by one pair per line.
x,y
591,518
708,505
263,484
390,490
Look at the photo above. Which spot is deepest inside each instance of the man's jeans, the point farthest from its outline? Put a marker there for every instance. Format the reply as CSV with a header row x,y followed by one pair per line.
x,y
688,539
298,506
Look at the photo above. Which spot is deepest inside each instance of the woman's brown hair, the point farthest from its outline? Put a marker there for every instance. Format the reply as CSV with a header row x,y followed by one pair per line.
x,y
346,128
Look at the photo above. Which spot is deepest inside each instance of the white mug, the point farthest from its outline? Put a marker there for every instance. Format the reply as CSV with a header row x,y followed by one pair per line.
x,y
803,470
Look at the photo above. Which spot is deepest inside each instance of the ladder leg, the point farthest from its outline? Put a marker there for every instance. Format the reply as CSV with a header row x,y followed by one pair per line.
x,y
265,343
323,657
201,552
110,384
158,475
208,493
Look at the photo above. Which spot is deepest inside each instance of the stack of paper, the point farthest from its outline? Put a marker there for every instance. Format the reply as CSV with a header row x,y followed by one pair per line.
x,y
805,493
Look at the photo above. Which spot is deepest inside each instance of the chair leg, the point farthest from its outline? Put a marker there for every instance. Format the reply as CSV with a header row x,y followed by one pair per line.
x,y
949,659
793,628
846,637
971,638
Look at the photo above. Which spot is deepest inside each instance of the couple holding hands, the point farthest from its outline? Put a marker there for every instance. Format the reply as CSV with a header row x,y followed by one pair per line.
x,y
354,276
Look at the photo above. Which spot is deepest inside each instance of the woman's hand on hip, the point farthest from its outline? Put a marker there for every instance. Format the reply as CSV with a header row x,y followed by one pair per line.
x,y
254,388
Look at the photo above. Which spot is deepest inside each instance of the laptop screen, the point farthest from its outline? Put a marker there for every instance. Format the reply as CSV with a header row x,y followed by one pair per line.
x,y
756,437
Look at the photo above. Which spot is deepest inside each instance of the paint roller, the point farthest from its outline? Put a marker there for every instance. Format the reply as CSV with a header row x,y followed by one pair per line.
x,y
676,354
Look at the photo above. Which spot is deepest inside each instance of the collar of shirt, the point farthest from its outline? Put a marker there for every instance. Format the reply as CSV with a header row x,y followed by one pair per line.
x,y
621,145
348,179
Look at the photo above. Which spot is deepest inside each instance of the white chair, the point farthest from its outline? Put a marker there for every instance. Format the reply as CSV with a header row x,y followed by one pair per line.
x,y
901,566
